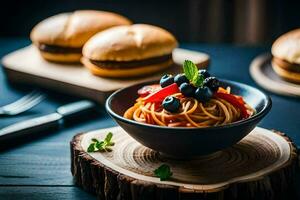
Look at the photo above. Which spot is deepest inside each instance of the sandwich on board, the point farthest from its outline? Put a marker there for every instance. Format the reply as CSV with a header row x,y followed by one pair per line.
x,y
129,51
286,56
60,38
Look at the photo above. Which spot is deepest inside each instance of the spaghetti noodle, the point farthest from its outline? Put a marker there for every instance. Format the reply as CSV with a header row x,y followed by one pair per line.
x,y
191,99
192,113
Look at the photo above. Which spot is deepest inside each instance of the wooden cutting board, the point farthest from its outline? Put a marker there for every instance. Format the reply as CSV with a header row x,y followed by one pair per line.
x,y
26,66
261,166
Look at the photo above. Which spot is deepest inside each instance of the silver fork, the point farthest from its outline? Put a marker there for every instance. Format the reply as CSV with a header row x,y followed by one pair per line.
x,y
23,104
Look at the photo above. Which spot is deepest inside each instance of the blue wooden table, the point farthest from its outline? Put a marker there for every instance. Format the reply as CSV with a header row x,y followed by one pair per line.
x,y
40,168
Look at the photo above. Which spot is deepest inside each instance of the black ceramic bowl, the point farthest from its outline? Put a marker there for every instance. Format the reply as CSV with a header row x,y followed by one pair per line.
x,y
182,142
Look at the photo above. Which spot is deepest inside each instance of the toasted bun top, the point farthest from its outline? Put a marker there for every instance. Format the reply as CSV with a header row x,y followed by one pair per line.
x,y
287,47
74,29
126,43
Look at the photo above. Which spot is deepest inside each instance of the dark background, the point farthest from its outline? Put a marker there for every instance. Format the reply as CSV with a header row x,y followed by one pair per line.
x,y
217,21
40,168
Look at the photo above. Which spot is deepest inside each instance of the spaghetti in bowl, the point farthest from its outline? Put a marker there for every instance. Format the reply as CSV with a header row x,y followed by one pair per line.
x,y
221,109
178,141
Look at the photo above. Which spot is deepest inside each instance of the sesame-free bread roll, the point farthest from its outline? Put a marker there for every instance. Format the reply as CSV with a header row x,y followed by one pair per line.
x,y
286,56
129,51
61,37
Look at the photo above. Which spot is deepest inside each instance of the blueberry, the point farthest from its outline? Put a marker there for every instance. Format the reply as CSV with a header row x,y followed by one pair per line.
x,y
171,104
187,90
212,82
166,80
204,73
203,94
180,78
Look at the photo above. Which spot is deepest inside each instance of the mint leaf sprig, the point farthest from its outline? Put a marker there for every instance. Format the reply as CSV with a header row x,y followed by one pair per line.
x,y
163,172
191,72
104,145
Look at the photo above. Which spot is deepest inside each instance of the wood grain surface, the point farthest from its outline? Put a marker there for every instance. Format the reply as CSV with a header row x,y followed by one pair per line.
x,y
262,158
27,66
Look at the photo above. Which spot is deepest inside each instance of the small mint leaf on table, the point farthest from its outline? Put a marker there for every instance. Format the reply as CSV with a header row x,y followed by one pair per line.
x,y
107,142
163,172
94,140
104,145
99,145
91,147
108,137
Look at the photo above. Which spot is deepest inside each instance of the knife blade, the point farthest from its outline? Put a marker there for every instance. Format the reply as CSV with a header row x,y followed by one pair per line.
x,y
49,121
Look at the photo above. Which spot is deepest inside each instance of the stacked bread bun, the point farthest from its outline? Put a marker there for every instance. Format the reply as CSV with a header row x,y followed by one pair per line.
x,y
60,38
129,51
286,56
106,43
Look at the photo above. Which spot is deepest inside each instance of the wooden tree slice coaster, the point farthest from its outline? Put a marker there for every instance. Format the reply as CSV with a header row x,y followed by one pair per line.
x,y
261,166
